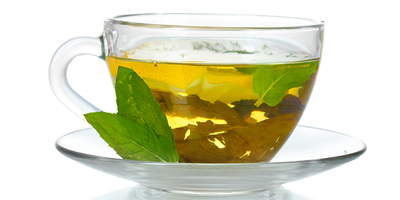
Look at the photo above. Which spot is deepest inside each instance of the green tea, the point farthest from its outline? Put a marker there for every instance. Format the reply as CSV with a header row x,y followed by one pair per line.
x,y
215,112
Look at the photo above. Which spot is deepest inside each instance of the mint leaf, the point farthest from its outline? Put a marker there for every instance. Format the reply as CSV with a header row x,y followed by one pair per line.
x,y
140,130
271,83
132,140
135,100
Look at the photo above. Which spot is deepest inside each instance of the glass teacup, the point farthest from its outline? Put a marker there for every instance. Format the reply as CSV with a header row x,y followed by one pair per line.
x,y
233,87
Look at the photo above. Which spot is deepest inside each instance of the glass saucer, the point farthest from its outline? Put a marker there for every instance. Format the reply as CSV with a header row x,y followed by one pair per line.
x,y
309,151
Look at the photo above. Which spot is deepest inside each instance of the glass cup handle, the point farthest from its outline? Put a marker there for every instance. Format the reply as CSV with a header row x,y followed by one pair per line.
x,y
58,71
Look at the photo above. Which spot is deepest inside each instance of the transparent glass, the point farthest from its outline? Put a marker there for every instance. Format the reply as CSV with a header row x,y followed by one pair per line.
x,y
233,87
309,151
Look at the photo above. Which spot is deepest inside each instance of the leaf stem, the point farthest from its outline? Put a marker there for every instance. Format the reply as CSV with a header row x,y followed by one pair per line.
x,y
258,102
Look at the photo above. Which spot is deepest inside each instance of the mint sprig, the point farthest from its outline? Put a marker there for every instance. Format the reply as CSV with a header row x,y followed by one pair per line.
x,y
140,130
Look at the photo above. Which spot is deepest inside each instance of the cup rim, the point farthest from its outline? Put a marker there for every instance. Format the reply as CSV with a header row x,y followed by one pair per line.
x,y
155,20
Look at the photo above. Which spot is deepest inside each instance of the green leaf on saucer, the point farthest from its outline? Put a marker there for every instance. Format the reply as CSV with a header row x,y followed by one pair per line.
x,y
132,140
140,130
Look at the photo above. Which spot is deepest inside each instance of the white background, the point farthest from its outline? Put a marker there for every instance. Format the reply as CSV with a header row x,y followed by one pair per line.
x,y
357,92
